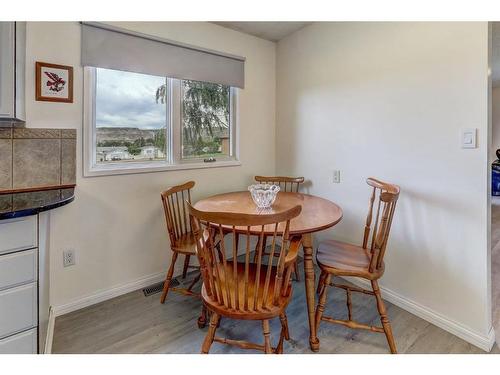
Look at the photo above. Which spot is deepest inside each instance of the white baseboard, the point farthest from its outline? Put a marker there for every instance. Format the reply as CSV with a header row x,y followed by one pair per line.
x,y
106,294
50,332
484,342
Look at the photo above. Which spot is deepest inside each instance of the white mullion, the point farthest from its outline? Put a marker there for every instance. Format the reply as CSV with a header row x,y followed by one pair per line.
x,y
169,119
233,124
89,133
93,80
176,121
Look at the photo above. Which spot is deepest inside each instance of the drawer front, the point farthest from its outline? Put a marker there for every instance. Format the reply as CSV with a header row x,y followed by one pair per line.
x,y
22,343
18,268
18,234
18,309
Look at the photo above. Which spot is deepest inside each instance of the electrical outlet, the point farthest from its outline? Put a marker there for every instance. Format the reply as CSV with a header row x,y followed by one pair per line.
x,y
336,176
69,258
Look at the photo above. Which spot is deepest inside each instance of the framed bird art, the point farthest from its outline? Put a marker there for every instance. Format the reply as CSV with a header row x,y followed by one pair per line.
x,y
54,83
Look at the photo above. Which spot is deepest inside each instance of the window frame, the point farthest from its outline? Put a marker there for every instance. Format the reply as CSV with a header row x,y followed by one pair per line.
x,y
174,160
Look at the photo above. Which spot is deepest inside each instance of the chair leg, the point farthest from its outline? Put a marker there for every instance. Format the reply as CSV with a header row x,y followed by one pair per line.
x,y
322,300
319,289
166,284
279,347
267,337
202,320
209,338
193,283
296,271
210,313
284,325
383,317
186,266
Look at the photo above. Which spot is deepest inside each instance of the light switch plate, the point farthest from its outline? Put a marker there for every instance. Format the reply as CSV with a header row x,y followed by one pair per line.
x,y
336,177
468,138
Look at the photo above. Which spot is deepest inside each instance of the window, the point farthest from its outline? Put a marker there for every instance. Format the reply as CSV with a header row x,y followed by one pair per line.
x,y
205,120
140,123
130,126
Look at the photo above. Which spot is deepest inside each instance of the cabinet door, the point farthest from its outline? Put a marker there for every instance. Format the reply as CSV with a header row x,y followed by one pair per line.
x,y
18,268
22,343
18,309
18,234
7,69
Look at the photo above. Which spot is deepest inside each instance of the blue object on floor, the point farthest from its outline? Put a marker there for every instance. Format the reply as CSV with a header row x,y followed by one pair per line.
x,y
495,175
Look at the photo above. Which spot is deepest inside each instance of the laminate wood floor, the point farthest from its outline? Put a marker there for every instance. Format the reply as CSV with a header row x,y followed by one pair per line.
x,y
133,323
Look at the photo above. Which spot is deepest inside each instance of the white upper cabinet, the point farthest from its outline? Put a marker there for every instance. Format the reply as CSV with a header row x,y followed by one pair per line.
x,y
12,70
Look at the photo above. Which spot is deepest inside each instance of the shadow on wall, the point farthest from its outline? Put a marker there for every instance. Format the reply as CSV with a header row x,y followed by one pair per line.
x,y
306,186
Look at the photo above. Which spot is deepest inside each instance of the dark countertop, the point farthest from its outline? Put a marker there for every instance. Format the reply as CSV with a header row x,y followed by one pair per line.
x,y
31,203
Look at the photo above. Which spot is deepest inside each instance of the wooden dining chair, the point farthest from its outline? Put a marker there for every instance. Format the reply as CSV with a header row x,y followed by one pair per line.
x,y
367,261
182,240
286,184
236,288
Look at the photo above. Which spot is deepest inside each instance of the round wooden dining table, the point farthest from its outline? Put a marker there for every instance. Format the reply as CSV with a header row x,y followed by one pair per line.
x,y
317,214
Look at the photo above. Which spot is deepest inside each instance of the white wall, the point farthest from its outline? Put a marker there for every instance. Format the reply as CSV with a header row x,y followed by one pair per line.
x,y
388,100
116,224
495,122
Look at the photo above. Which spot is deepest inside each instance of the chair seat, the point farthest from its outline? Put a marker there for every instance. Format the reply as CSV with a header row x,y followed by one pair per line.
x,y
344,259
186,244
265,308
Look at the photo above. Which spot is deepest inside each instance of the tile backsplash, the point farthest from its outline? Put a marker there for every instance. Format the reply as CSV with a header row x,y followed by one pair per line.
x,y
32,157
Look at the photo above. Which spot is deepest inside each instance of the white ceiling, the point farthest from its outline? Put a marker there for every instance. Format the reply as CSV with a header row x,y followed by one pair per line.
x,y
273,31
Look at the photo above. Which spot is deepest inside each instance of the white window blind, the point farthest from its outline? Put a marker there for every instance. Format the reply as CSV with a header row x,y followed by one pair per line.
x,y
109,47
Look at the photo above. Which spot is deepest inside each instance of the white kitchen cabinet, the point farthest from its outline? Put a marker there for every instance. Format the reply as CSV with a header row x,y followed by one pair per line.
x,y
24,283
22,343
18,234
12,70
19,309
18,268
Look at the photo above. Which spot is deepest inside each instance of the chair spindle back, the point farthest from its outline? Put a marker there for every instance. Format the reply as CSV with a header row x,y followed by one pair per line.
x,y
286,184
176,210
383,198
229,280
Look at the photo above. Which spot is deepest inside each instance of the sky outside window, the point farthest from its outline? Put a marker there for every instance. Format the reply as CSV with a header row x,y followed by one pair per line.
x,y
125,99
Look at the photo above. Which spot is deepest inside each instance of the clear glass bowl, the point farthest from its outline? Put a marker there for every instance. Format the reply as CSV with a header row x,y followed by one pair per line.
x,y
263,195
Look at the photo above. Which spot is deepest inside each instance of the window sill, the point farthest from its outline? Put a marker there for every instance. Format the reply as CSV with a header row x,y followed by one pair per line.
x,y
110,170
